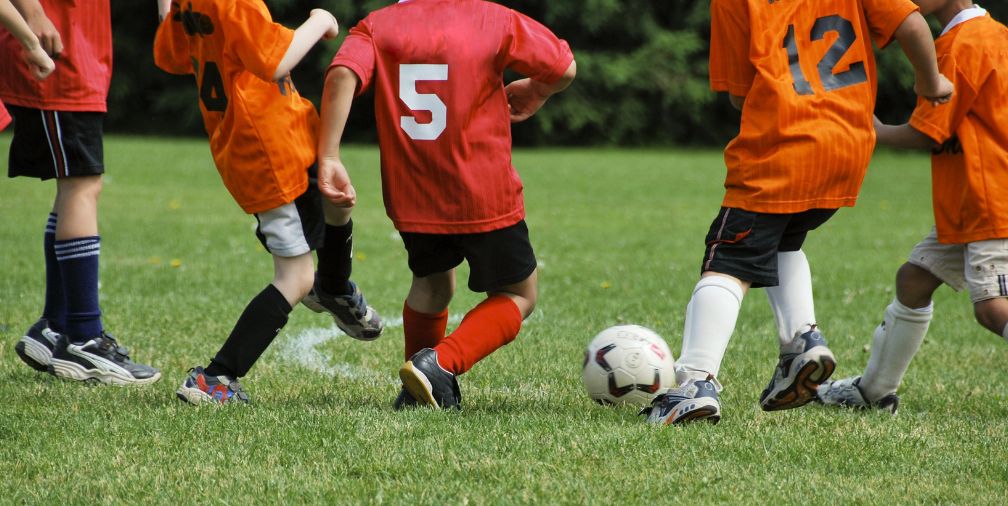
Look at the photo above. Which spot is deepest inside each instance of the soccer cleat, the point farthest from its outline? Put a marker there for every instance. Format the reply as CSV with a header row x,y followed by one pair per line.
x,y
351,313
429,384
99,359
847,393
36,347
692,401
804,364
200,388
405,400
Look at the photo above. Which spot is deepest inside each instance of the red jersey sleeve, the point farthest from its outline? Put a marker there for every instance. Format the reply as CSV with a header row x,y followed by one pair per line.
x,y
885,16
259,42
171,47
941,122
357,54
534,51
730,67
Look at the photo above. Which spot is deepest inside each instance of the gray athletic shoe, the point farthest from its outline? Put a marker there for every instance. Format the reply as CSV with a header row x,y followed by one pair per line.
x,y
847,393
351,313
99,359
691,401
803,366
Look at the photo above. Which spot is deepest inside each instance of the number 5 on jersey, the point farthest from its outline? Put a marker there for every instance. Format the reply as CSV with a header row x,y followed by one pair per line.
x,y
409,74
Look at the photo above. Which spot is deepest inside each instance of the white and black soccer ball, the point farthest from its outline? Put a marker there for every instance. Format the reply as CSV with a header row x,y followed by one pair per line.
x,y
627,364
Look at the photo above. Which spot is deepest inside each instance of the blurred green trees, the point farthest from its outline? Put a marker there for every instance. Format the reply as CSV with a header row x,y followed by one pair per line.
x,y
642,73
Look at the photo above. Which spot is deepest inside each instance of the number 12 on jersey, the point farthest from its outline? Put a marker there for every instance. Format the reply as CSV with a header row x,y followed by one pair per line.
x,y
846,36
409,74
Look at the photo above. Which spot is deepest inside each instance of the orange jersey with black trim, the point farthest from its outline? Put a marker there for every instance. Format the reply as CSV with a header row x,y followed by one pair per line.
x,y
807,70
969,171
263,134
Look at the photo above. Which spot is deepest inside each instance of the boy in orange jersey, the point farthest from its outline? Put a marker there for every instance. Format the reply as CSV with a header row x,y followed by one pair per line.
x,y
803,74
968,248
58,134
443,115
263,136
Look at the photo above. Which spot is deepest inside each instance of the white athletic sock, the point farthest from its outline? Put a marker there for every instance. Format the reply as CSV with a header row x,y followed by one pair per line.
x,y
791,299
896,340
710,321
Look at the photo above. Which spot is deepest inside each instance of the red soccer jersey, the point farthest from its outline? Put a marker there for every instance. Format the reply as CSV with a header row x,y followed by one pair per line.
x,y
443,123
83,71
5,118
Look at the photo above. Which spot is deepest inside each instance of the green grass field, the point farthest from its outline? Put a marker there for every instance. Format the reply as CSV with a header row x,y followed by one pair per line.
x,y
619,234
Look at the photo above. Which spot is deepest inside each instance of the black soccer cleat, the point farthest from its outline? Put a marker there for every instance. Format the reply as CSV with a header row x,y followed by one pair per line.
x,y
405,400
424,378
35,348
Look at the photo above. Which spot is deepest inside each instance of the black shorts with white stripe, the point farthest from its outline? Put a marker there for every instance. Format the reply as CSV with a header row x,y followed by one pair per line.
x,y
56,144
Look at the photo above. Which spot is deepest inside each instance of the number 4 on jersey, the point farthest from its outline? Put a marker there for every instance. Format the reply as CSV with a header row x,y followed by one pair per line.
x,y
409,74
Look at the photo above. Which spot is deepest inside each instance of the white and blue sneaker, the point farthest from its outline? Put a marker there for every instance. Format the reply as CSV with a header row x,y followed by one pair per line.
x,y
351,313
99,359
847,393
692,401
804,364
35,348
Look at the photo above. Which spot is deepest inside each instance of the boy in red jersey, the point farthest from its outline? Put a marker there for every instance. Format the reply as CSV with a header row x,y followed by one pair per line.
x,y
968,248
803,74
443,129
263,136
58,134
35,56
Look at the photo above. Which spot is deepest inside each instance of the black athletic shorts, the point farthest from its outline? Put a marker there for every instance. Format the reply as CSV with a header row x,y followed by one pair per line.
x,y
496,258
54,144
744,244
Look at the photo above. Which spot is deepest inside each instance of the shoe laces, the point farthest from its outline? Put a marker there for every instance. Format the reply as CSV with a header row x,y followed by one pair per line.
x,y
109,344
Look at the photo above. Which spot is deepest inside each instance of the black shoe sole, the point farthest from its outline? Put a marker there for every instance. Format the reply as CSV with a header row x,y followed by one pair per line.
x,y
804,389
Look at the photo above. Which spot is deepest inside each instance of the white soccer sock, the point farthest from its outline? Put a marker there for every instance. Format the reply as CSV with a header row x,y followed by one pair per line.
x,y
710,321
896,340
791,299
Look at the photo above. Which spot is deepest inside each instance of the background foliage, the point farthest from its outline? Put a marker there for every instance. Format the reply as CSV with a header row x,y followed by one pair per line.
x,y
642,73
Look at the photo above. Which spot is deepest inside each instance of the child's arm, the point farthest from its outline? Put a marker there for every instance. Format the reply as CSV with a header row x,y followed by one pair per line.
x,y
902,136
320,25
915,38
163,7
337,98
41,26
526,96
38,61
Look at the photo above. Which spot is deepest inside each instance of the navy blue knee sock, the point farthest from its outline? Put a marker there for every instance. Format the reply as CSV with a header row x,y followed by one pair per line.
x,y
78,263
55,302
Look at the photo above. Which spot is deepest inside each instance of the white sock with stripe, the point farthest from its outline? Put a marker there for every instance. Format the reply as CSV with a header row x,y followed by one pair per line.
x,y
710,322
894,344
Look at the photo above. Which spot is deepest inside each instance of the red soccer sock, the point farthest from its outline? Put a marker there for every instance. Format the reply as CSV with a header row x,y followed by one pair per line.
x,y
488,326
422,330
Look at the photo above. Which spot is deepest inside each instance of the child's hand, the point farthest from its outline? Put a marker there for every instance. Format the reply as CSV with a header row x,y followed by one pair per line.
x,y
334,183
333,31
39,62
937,92
47,35
523,99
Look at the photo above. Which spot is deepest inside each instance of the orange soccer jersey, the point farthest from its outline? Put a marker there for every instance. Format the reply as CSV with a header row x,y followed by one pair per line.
x,y
263,134
808,74
969,171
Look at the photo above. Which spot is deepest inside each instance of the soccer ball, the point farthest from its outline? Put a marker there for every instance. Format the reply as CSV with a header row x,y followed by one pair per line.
x,y
627,364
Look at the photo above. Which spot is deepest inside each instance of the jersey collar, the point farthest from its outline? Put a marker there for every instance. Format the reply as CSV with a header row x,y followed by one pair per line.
x,y
965,15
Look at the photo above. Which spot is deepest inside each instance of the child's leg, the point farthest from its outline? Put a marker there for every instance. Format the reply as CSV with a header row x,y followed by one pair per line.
x,y
899,336
425,312
264,316
77,246
490,325
791,300
710,321
336,254
987,277
55,300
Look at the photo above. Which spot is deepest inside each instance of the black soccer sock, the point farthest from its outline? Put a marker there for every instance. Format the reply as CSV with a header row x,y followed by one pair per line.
x,y
335,259
258,325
